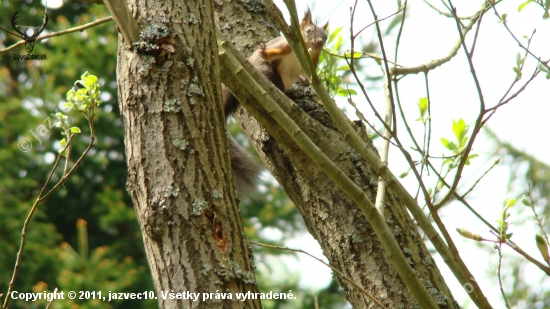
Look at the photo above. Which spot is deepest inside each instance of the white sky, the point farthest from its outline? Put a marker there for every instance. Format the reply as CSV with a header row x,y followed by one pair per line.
x,y
427,36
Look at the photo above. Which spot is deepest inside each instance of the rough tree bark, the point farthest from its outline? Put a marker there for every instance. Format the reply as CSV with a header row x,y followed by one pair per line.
x,y
331,217
178,167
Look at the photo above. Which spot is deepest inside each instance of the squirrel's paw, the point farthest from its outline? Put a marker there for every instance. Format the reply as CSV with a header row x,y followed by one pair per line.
x,y
263,52
303,79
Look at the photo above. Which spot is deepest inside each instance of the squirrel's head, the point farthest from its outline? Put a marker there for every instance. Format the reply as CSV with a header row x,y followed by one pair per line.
x,y
314,36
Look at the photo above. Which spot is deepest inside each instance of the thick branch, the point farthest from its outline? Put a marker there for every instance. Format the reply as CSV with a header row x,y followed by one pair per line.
x,y
124,20
261,89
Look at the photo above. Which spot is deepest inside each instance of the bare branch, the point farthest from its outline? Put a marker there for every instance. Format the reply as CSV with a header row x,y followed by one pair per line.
x,y
59,33
505,23
500,277
438,62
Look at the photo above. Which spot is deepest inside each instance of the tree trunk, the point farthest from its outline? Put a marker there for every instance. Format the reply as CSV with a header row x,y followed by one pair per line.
x,y
341,229
178,166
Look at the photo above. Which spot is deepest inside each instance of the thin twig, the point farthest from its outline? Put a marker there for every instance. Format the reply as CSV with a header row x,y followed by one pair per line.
x,y
478,122
368,55
379,20
438,62
531,259
398,39
53,298
351,63
26,225
505,23
499,247
393,132
481,177
336,270
537,218
428,141
384,151
513,96
42,197
441,12
59,33
476,34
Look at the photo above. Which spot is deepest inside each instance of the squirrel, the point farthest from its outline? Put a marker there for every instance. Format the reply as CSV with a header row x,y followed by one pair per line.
x,y
278,63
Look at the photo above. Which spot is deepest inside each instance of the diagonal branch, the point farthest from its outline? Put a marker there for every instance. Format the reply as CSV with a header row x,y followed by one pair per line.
x,y
124,20
265,94
59,33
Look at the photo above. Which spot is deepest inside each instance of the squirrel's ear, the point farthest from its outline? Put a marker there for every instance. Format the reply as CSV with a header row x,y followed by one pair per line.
x,y
307,18
325,26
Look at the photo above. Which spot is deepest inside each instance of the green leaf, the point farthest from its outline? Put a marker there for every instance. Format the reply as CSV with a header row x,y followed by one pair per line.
x,y
343,68
503,18
543,248
90,81
70,95
518,73
543,68
423,106
63,143
356,55
342,92
61,117
404,174
459,129
511,202
338,43
523,5
75,130
525,200
439,186
334,34
448,144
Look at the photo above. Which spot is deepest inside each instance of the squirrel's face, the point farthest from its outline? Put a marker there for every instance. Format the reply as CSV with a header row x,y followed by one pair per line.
x,y
315,37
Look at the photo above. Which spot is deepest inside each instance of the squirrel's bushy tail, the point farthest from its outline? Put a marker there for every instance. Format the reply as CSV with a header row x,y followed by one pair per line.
x,y
244,167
